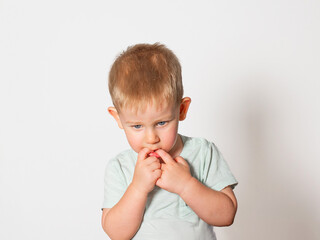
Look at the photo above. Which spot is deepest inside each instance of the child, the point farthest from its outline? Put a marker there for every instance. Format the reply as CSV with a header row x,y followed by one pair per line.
x,y
168,186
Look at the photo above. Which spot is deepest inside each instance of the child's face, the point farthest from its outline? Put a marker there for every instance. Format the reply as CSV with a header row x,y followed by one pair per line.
x,y
154,128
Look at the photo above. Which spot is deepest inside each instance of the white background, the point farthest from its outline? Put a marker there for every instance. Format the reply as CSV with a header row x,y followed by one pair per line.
x,y
252,69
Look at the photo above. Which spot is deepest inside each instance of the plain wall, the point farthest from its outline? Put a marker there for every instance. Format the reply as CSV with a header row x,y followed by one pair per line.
x,y
250,67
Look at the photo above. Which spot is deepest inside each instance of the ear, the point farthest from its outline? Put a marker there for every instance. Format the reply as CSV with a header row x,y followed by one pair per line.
x,y
114,113
184,106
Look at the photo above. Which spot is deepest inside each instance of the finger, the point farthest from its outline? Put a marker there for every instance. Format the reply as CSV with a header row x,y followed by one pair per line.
x,y
154,166
163,165
181,161
157,173
159,182
143,154
151,160
166,157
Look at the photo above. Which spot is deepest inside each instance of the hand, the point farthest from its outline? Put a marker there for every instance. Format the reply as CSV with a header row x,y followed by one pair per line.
x,y
175,173
146,172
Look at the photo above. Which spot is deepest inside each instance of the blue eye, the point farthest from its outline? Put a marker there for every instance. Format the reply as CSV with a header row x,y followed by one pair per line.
x,y
137,126
162,123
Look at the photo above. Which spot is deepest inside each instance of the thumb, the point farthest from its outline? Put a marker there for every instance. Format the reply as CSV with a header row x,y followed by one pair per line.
x,y
159,182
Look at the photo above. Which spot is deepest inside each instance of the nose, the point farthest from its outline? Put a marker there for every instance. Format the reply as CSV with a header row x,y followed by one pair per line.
x,y
152,137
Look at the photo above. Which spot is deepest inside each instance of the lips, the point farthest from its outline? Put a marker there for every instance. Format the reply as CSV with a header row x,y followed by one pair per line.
x,y
154,154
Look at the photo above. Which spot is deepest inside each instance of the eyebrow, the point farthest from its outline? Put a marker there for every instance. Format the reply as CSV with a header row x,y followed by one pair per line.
x,y
166,118
134,123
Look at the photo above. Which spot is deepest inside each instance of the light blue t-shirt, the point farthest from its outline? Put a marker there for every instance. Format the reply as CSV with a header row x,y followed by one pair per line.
x,y
167,216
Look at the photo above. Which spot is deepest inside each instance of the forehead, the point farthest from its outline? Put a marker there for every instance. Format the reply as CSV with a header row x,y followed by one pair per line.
x,y
148,113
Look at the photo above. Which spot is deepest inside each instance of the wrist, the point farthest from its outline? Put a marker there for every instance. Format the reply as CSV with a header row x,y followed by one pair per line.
x,y
188,186
139,193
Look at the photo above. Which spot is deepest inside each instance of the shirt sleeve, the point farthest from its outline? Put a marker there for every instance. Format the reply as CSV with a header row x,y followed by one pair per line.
x,y
217,174
114,184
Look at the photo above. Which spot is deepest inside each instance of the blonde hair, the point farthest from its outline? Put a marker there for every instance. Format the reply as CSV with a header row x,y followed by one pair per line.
x,y
145,74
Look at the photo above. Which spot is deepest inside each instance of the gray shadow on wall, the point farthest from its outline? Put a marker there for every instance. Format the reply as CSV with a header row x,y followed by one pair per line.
x,y
271,204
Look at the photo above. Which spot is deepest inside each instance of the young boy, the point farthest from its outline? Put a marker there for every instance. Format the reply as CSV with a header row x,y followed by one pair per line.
x,y
168,186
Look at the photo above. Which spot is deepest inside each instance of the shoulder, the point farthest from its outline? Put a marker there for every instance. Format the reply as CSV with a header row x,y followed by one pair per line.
x,y
200,147
197,143
124,158
121,167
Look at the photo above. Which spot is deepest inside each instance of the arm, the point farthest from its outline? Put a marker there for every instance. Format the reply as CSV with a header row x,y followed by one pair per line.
x,y
216,208
123,220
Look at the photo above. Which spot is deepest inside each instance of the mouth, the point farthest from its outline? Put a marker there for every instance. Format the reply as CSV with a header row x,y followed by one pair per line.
x,y
154,154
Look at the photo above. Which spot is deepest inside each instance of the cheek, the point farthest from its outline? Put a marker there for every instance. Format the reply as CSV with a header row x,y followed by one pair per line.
x,y
134,141
171,137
